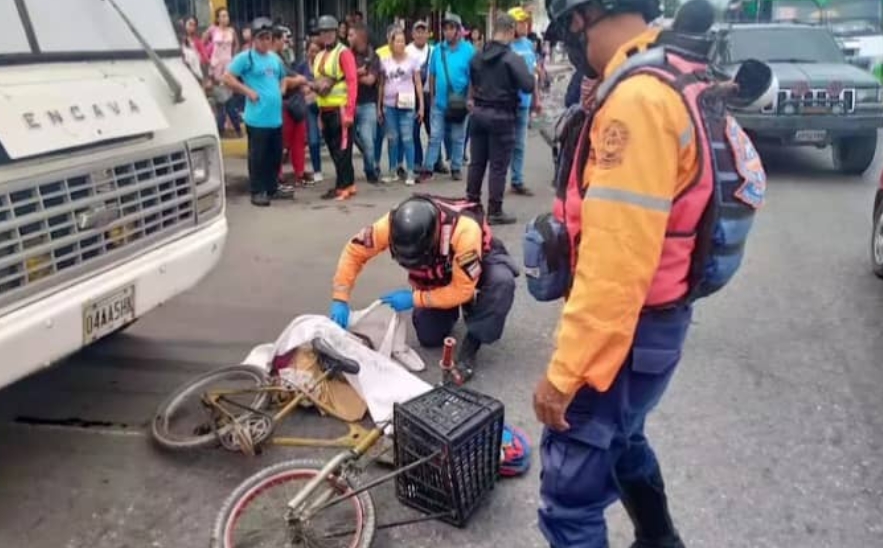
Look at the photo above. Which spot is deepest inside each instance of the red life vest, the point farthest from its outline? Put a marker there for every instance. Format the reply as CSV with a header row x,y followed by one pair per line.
x,y
438,272
704,239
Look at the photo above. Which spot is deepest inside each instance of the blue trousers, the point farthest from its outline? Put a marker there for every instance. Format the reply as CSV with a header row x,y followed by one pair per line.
x,y
521,123
584,467
314,138
437,136
400,136
366,138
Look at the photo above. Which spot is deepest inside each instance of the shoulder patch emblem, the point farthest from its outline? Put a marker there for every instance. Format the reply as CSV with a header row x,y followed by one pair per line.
x,y
471,264
365,237
748,164
614,139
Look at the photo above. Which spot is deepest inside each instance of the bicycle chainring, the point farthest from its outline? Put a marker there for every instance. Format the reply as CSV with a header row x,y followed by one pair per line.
x,y
247,434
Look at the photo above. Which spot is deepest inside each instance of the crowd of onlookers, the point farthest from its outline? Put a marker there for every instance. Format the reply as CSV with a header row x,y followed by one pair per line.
x,y
403,86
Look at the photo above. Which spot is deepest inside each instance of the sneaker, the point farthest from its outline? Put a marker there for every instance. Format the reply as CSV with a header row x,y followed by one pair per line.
x,y
457,175
410,181
330,194
260,199
284,190
373,179
317,177
390,177
441,168
346,193
401,173
501,218
426,176
521,190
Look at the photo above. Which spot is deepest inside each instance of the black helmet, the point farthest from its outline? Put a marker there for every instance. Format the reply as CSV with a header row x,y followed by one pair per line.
x,y
650,9
414,232
262,24
326,23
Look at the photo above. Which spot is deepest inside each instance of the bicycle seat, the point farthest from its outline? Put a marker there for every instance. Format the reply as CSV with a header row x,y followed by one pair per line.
x,y
333,361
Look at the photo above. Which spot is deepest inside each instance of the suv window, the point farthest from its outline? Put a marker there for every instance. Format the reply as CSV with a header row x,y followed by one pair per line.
x,y
806,45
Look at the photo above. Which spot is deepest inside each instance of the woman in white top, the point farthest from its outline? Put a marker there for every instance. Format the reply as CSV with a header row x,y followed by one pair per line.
x,y
401,103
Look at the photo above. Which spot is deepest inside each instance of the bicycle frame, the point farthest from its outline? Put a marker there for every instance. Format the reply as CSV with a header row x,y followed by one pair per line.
x,y
355,434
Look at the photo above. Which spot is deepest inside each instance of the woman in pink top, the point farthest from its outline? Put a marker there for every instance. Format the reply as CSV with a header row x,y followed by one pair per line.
x,y
222,42
401,102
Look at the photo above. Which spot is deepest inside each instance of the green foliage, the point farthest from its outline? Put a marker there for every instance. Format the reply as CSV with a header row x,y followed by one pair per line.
x,y
469,10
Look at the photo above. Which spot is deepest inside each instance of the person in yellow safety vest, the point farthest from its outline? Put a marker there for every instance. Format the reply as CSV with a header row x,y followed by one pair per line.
x,y
649,163
336,85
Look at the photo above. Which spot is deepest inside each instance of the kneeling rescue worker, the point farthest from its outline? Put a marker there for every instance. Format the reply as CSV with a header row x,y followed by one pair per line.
x,y
453,262
660,169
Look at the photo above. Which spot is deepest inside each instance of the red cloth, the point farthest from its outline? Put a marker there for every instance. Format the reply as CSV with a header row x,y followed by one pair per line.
x,y
294,135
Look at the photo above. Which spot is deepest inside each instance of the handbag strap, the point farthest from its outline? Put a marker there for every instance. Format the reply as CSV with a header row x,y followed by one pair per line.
x,y
445,66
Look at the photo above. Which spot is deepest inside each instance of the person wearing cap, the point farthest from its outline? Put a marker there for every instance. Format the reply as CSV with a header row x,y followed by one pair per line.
x,y
336,85
261,76
498,76
421,51
449,88
523,46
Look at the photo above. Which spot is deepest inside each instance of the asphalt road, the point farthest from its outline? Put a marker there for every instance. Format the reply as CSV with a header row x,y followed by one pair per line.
x,y
770,435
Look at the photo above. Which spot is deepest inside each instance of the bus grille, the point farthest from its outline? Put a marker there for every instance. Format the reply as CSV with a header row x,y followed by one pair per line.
x,y
69,224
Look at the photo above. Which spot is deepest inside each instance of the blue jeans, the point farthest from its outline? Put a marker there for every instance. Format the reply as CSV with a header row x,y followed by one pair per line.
x,y
366,129
437,137
586,467
400,136
521,123
314,138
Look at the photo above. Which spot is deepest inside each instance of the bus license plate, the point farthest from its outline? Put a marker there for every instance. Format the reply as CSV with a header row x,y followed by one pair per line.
x,y
811,135
106,314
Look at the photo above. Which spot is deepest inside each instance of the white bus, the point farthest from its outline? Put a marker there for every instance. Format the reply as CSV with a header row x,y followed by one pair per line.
x,y
111,178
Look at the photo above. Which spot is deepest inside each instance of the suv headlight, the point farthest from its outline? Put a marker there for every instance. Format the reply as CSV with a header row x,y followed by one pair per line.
x,y
208,177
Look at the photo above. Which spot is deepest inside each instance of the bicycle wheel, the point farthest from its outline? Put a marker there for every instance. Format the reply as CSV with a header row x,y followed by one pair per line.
x,y
251,517
182,421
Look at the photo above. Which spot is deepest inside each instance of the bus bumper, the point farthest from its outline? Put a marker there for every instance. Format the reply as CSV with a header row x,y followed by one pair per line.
x,y
49,329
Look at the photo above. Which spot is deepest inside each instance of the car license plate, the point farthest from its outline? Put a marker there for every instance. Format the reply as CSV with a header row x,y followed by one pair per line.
x,y
106,314
816,110
811,135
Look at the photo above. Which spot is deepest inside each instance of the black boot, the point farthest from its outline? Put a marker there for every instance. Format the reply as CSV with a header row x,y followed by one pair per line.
x,y
647,506
466,357
496,216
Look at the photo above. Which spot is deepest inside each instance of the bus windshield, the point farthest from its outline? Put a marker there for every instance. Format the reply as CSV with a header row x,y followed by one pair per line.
x,y
88,27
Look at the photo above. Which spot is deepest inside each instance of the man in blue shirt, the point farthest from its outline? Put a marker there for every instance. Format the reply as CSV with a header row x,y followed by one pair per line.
x,y
448,79
260,75
523,46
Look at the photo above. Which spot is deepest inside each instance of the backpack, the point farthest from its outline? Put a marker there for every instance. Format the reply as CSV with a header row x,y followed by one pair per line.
x,y
732,173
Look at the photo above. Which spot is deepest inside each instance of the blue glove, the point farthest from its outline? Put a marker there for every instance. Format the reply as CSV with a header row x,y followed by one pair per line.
x,y
340,313
400,300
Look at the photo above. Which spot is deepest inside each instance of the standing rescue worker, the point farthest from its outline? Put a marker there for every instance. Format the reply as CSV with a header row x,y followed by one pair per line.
x,y
639,202
336,85
453,262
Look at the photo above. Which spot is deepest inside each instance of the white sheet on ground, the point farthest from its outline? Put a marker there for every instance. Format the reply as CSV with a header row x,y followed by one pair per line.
x,y
387,330
381,381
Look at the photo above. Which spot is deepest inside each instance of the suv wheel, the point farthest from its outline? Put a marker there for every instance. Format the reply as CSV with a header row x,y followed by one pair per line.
x,y
854,154
877,242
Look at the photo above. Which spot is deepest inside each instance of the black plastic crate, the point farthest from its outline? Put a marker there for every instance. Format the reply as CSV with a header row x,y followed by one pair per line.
x,y
467,428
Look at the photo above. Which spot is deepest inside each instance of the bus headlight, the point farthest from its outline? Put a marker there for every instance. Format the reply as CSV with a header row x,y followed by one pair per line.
x,y
208,178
